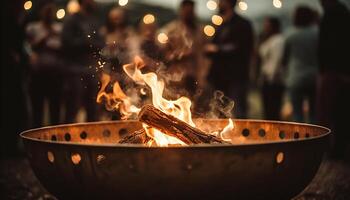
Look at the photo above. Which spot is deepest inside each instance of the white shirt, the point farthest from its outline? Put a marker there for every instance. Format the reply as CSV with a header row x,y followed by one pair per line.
x,y
271,53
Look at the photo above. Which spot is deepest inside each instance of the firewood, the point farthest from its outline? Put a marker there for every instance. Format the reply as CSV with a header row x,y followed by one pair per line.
x,y
137,137
175,127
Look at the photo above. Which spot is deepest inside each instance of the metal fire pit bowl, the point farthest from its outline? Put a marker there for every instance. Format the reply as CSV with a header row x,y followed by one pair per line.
x,y
270,160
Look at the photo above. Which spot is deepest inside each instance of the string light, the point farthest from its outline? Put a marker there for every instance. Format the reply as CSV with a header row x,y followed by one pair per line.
x,y
209,30
243,5
73,6
123,2
277,3
149,19
60,13
162,38
217,20
28,5
212,5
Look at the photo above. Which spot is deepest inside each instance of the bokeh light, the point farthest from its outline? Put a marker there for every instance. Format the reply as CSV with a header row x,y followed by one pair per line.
x,y
162,38
123,2
149,19
277,3
217,20
243,5
73,6
212,5
28,5
60,13
209,30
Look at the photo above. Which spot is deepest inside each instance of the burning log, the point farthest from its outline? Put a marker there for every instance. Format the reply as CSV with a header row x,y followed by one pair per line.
x,y
138,137
172,126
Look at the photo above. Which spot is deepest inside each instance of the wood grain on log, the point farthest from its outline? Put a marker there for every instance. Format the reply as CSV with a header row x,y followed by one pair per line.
x,y
138,137
173,126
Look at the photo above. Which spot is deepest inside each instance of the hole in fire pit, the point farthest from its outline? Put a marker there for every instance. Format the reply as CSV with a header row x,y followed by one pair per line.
x,y
67,137
50,156
53,138
245,132
83,135
123,131
76,158
296,135
100,158
307,135
279,157
106,133
262,132
282,134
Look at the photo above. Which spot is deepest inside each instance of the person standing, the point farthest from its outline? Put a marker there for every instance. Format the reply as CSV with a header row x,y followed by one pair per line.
x,y
334,79
300,57
270,52
43,39
80,43
120,39
183,51
230,52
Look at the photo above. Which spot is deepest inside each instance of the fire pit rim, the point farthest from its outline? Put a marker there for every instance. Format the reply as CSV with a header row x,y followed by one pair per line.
x,y
23,135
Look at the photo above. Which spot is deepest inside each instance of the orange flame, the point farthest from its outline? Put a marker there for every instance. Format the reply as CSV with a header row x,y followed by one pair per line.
x,y
180,108
116,100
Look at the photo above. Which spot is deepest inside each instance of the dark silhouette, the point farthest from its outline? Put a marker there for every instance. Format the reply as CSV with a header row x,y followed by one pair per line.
x,y
230,51
334,81
80,42
270,54
43,37
300,57
183,52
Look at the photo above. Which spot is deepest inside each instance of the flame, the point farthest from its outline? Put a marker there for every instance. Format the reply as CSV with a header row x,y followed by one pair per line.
x,y
226,130
179,108
117,99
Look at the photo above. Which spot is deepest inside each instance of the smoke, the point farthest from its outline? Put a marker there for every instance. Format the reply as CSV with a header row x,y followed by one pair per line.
x,y
220,106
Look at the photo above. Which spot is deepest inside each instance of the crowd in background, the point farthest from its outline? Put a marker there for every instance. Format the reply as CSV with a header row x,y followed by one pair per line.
x,y
306,62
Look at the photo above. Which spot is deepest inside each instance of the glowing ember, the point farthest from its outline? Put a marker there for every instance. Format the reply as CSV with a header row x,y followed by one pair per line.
x,y
179,108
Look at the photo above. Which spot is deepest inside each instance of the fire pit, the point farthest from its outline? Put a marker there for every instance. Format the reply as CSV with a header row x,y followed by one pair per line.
x,y
267,160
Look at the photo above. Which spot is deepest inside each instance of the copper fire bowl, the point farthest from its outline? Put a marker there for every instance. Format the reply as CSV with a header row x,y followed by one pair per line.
x,y
268,160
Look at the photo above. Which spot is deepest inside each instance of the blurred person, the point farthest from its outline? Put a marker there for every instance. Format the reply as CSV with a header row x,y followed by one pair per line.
x,y
300,57
230,52
149,46
14,87
183,50
119,37
270,52
80,43
334,78
43,48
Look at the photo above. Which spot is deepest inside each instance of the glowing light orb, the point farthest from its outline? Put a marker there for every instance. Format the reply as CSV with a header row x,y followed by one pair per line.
x,y
28,5
60,13
243,5
149,19
217,20
123,2
162,38
212,5
209,30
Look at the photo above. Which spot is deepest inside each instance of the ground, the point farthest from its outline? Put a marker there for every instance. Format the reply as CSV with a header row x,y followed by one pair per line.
x,y
17,182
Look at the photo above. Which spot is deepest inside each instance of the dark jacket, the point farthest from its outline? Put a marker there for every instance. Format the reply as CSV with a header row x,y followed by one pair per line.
x,y
80,40
234,39
335,40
